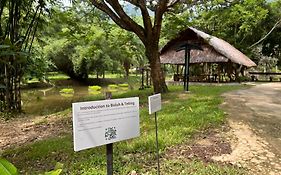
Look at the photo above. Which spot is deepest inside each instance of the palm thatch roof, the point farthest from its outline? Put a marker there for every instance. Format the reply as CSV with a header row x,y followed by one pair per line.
x,y
215,50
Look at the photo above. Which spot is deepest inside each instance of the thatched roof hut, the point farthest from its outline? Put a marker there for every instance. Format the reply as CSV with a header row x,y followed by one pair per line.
x,y
215,50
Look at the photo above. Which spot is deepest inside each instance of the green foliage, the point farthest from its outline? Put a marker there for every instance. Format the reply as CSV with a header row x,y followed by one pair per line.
x,y
112,86
67,91
6,168
81,41
56,171
19,21
241,23
94,88
238,23
37,65
56,76
271,45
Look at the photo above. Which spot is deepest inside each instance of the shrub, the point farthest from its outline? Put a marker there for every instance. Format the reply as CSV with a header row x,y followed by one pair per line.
x,y
94,88
67,91
112,86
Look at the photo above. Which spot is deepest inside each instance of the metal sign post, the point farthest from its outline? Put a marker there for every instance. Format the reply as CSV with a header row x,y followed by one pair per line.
x,y
154,104
109,158
157,144
109,147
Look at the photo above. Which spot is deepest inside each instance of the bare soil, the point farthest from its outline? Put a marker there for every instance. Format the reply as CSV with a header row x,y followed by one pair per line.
x,y
20,131
204,147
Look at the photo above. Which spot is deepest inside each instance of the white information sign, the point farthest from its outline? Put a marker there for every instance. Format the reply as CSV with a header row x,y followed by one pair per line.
x,y
102,122
154,103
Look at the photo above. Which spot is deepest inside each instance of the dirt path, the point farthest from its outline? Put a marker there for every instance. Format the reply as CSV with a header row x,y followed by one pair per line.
x,y
20,131
254,117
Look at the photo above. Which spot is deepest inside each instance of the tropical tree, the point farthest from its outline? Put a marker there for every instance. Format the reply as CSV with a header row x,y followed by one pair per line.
x,y
271,40
148,32
19,20
126,48
250,25
239,22
80,41
71,40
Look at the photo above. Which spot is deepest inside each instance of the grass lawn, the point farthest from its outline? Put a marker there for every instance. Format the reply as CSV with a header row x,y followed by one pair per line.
x,y
182,115
57,76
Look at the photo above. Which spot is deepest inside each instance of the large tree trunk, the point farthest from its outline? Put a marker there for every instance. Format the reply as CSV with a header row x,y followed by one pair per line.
x,y
157,74
127,65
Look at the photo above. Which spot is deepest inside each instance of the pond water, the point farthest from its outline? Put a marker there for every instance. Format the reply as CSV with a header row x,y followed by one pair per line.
x,y
55,99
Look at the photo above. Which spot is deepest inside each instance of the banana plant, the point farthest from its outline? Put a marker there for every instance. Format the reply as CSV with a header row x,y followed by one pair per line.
x,y
7,168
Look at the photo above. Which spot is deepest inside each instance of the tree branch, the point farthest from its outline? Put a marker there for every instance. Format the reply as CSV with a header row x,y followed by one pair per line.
x,y
145,15
172,4
104,7
136,28
160,10
263,38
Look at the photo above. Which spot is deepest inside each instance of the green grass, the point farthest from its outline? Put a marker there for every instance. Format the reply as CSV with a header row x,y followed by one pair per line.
x,y
58,76
196,167
107,75
182,115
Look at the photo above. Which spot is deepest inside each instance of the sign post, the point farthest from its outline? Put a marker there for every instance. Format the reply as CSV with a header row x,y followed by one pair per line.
x,y
109,158
109,147
104,122
154,104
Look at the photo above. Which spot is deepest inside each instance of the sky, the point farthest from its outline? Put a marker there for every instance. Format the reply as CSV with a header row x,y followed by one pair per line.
x,y
66,3
129,8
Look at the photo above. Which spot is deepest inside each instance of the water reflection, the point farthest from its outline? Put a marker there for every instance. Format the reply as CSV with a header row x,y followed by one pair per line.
x,y
55,99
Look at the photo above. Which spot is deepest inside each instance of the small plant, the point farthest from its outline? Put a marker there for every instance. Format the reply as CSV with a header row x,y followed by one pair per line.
x,y
123,87
7,168
94,88
112,86
67,91
94,92
56,171
6,115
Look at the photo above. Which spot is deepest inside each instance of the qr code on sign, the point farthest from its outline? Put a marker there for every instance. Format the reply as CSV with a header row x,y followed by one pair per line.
x,y
110,133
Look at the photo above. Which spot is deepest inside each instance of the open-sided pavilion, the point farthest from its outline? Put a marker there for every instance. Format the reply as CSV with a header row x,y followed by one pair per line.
x,y
218,60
